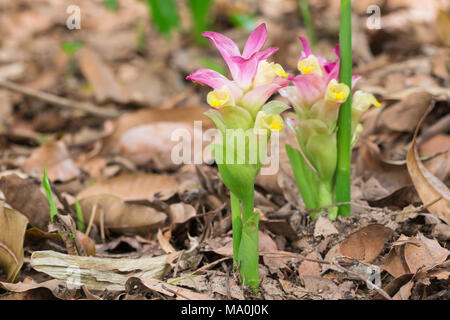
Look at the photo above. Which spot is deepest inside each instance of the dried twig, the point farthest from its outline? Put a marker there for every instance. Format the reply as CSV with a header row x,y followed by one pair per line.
x,y
91,220
210,265
59,101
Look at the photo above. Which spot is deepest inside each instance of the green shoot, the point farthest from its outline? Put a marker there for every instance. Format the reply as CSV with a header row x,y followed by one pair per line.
x,y
71,47
344,122
307,20
49,193
80,218
200,18
182,278
164,15
211,64
112,5
242,20
305,185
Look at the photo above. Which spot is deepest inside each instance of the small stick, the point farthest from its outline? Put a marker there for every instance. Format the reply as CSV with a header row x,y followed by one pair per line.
x,y
175,271
91,220
59,101
102,224
210,265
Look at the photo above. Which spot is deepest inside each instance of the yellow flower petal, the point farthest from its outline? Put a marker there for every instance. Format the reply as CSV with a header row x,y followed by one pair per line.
x,y
337,92
267,72
362,101
310,65
220,98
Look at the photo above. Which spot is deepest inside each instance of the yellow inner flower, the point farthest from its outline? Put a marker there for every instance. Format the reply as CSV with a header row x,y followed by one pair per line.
x,y
310,65
219,98
267,72
337,92
363,100
279,71
275,123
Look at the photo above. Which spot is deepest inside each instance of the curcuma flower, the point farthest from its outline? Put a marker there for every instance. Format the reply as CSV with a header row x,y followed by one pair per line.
x,y
254,79
316,96
239,105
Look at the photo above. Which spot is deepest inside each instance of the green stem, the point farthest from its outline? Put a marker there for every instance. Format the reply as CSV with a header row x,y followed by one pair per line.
x,y
236,224
344,122
326,199
305,185
307,20
248,250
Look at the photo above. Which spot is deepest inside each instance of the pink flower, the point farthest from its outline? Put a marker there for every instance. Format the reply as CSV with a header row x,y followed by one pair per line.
x,y
313,84
254,79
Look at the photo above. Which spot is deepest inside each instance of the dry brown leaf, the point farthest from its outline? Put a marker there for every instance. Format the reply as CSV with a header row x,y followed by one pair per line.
x,y
428,186
135,186
280,227
151,144
101,77
146,285
291,288
218,284
164,242
56,158
325,288
405,115
427,255
366,243
27,198
87,243
147,116
180,213
12,232
35,291
394,262
409,254
324,227
309,268
120,216
405,292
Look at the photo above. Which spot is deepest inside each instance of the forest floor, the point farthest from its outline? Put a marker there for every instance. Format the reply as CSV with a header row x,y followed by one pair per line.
x,y
98,106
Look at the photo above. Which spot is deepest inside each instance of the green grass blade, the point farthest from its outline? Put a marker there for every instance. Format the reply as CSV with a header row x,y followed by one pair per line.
x,y
49,193
236,224
242,20
307,20
80,218
211,64
344,122
112,5
200,18
164,15
305,186
71,47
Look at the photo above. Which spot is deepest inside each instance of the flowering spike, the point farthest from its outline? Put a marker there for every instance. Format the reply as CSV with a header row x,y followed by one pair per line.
x,y
238,111
317,97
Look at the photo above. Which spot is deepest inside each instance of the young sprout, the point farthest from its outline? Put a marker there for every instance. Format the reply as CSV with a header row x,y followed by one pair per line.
x,y
49,193
80,218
